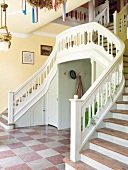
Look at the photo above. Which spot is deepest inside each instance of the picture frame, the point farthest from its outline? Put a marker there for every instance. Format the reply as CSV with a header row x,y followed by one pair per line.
x,y
45,50
27,57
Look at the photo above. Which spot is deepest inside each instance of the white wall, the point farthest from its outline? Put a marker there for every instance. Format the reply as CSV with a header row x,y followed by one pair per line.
x,y
67,87
99,70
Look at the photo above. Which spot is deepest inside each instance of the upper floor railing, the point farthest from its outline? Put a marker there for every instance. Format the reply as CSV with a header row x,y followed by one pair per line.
x,y
121,23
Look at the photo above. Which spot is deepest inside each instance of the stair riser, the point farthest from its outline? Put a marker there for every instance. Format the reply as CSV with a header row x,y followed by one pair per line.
x,y
126,89
116,127
109,153
125,59
125,98
4,117
94,163
126,76
6,127
126,69
68,167
113,139
126,82
125,64
122,106
120,116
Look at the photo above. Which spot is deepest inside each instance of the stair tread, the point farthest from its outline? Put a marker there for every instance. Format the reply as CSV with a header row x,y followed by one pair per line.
x,y
4,121
122,102
117,121
125,94
5,114
115,133
79,165
119,111
110,146
105,160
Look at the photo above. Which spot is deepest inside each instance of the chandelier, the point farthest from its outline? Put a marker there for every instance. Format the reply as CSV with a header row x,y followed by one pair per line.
x,y
5,36
49,4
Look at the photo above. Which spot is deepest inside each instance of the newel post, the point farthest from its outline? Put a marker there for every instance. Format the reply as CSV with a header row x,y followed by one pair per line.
x,y
116,22
10,107
75,129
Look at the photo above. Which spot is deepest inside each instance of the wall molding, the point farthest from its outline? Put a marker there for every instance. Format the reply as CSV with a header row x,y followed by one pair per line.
x,y
33,33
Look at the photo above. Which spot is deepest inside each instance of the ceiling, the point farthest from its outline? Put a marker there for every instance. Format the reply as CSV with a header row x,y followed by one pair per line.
x,y
17,22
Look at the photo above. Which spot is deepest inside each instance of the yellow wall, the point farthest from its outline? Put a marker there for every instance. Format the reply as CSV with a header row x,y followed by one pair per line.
x,y
12,72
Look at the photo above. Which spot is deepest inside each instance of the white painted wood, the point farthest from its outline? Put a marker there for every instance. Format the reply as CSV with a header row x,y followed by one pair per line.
x,y
109,153
120,116
34,116
68,167
113,139
10,107
94,163
9,127
122,106
75,129
116,127
126,89
125,98
53,102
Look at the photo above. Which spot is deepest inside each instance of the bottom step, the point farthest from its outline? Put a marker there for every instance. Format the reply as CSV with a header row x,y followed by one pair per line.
x,y
77,165
100,161
5,124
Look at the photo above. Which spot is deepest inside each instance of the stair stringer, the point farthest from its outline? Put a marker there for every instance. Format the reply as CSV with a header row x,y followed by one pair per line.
x,y
40,93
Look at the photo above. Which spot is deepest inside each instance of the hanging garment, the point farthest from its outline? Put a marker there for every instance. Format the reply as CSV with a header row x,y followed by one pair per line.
x,y
79,91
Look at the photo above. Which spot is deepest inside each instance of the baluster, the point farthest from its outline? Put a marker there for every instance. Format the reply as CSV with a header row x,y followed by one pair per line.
x,y
102,40
89,110
106,87
98,39
114,81
85,38
101,100
83,121
108,46
111,48
98,103
109,88
93,109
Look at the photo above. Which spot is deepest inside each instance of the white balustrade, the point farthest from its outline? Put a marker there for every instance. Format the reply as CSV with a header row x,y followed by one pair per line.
x,y
88,110
102,13
79,15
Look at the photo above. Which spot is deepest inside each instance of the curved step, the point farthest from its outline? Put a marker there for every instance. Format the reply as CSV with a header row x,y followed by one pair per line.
x,y
79,165
100,159
5,125
112,132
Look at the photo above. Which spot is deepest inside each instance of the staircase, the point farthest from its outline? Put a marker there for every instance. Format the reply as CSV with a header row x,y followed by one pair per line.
x,y
107,149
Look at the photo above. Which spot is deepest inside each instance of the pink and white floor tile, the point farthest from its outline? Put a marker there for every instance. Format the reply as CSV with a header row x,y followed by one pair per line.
x,y
34,148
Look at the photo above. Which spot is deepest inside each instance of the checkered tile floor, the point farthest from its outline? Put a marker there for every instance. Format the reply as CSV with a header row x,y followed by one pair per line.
x,y
36,148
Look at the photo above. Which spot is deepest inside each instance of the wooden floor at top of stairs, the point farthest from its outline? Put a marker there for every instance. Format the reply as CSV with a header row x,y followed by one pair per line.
x,y
110,146
105,160
79,165
117,121
113,132
119,111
